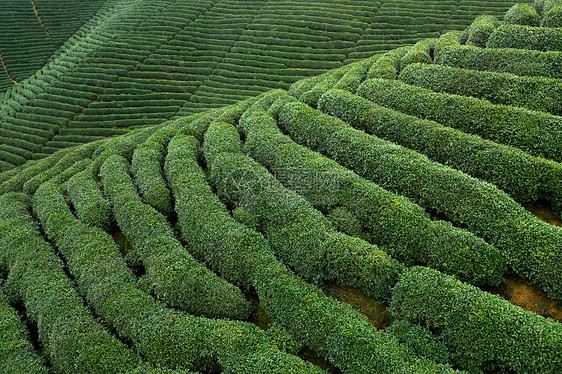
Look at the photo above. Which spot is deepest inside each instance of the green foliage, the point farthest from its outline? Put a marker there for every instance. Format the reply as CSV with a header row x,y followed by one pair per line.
x,y
137,64
526,37
522,14
326,81
173,274
228,247
531,246
534,132
525,178
534,93
387,65
147,168
406,231
244,256
66,165
355,75
72,339
420,340
514,61
543,6
167,338
16,351
553,17
16,181
481,330
88,201
420,52
123,146
479,31
335,330
346,221
318,253
283,339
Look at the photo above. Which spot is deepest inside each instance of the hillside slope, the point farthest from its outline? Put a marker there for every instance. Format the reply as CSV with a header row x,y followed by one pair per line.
x,y
173,58
402,176
31,31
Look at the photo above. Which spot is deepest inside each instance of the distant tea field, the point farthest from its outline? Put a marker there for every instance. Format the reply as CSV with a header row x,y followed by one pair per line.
x,y
138,63
287,187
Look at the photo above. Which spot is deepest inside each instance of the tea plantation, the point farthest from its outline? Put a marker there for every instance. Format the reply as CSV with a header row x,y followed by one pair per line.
x,y
139,63
148,227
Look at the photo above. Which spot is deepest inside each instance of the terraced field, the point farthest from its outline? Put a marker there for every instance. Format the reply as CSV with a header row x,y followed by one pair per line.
x,y
370,219
138,63
31,31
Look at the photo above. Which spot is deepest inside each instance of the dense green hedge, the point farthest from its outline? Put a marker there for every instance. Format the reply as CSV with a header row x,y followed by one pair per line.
x,y
5,175
333,329
543,6
88,201
164,337
525,178
42,171
327,80
420,340
206,226
147,168
17,354
71,337
356,74
508,60
481,330
534,93
420,52
336,331
317,254
526,37
350,76
522,14
538,133
406,232
66,163
552,17
123,145
532,246
387,65
479,31
171,272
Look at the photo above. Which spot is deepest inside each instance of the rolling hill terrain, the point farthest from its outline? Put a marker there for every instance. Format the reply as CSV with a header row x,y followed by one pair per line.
x,y
138,63
263,236
31,31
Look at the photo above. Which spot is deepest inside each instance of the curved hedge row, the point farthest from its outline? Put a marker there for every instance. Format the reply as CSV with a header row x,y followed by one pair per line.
x,y
526,37
449,52
242,255
133,56
171,272
420,340
318,253
420,52
522,14
532,246
525,178
147,168
16,351
406,232
89,204
480,329
71,337
534,93
167,338
478,33
534,132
